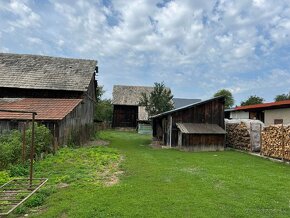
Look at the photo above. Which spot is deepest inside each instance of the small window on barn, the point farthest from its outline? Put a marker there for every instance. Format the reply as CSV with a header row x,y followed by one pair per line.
x,y
278,121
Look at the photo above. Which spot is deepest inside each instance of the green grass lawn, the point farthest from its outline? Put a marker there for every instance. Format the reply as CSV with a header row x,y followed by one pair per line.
x,y
169,183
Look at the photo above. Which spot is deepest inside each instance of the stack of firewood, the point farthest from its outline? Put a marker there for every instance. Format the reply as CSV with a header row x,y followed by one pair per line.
x,y
276,142
238,136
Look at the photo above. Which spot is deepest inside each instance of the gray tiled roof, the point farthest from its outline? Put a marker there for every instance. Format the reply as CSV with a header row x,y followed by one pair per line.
x,y
129,95
181,102
43,72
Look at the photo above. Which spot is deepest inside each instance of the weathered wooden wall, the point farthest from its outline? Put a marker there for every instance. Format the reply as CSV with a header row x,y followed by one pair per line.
x,y
211,112
201,142
76,122
125,116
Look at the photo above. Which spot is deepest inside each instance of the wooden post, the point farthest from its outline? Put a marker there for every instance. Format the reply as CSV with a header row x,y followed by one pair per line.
x,y
54,142
24,143
32,151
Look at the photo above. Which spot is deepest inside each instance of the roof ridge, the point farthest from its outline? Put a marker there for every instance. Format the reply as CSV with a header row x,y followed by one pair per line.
x,y
47,56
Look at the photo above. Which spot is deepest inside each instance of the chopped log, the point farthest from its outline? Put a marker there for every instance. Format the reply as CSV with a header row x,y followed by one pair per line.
x,y
238,136
276,142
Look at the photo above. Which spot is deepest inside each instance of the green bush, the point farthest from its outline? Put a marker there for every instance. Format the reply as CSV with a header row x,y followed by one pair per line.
x,y
10,148
11,145
42,140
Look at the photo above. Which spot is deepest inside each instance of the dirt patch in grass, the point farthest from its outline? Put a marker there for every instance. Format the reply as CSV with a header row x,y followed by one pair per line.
x,y
112,173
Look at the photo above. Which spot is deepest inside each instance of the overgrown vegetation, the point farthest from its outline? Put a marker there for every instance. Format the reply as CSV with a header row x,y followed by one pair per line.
x,y
159,100
70,169
11,145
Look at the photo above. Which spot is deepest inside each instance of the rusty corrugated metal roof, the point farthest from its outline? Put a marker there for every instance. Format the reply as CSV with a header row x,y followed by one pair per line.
x,y
46,108
264,105
200,128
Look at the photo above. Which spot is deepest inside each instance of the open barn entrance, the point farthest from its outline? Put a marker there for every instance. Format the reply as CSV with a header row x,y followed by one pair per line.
x,y
125,116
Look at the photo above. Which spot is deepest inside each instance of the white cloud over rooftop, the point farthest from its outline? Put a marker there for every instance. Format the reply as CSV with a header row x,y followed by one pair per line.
x,y
195,47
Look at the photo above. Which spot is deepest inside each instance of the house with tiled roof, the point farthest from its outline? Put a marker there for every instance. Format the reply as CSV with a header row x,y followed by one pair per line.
x,y
60,90
269,113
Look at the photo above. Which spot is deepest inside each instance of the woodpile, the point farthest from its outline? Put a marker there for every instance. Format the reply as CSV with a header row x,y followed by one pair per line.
x,y
238,136
276,141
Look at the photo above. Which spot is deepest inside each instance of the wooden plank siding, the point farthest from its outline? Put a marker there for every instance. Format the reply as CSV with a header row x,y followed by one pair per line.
x,y
210,112
125,116
200,142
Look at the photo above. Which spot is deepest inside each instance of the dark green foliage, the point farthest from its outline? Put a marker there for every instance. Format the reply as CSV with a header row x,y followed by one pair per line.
x,y
10,148
229,99
104,110
253,99
19,170
11,145
159,100
282,97
104,107
99,93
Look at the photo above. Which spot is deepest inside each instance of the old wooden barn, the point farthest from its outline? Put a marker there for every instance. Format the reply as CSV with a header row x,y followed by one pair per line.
x,y
127,112
61,90
196,127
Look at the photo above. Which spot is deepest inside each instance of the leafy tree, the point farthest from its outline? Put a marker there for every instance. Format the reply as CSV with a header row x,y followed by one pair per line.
x,y
159,100
104,110
229,99
253,99
282,97
104,107
99,93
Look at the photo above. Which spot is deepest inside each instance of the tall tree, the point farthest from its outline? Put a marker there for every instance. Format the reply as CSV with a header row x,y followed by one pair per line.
x,y
158,101
282,97
229,99
253,99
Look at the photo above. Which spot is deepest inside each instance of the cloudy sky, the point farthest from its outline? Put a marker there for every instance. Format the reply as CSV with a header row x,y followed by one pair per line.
x,y
195,46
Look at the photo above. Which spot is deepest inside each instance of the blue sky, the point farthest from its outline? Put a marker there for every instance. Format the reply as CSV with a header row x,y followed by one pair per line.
x,y
195,47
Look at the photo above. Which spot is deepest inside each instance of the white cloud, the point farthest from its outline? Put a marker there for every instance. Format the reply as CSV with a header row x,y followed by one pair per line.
x,y
211,44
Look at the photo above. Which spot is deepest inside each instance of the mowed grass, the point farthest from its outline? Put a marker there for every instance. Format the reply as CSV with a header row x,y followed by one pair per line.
x,y
171,183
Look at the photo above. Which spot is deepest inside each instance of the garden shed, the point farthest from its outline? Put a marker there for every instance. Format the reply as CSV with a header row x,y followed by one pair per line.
x,y
61,90
197,127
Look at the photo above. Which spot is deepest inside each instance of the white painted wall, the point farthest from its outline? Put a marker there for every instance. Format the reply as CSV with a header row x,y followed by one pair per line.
x,y
239,115
271,115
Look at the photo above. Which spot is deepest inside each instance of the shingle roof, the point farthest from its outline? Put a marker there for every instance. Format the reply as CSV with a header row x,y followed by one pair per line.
x,y
264,105
46,108
129,95
43,72
181,102
200,128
